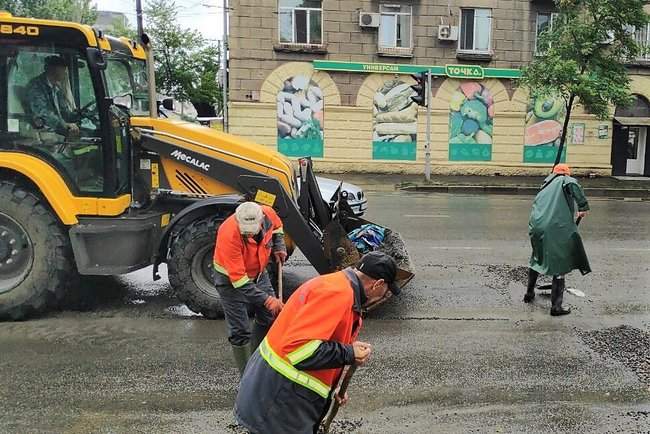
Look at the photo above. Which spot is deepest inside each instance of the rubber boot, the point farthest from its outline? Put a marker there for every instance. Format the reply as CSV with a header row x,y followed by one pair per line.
x,y
532,281
241,354
257,335
557,295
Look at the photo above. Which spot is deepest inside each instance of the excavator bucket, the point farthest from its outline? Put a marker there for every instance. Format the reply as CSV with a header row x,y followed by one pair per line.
x,y
338,220
342,252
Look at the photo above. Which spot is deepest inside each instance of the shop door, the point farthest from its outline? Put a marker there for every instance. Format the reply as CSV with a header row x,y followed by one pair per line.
x,y
636,149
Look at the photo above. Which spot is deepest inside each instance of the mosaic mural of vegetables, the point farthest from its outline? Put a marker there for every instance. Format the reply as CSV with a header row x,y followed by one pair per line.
x,y
471,123
394,122
544,119
300,118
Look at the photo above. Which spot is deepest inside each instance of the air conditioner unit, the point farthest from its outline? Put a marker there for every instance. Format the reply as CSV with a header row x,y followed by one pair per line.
x,y
367,19
448,33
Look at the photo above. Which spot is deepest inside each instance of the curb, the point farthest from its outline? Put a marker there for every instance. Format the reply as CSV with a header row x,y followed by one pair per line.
x,y
620,193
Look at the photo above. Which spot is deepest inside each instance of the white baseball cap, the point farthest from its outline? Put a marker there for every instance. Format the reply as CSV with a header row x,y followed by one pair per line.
x,y
249,216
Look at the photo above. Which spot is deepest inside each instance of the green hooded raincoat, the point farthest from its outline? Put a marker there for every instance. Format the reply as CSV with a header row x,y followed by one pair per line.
x,y
557,246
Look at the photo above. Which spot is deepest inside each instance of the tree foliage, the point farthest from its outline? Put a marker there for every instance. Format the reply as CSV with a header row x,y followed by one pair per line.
x,y
82,11
186,63
120,29
586,52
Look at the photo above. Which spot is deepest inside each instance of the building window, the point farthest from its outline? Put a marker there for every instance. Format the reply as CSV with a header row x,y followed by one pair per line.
x,y
544,24
475,30
301,22
395,26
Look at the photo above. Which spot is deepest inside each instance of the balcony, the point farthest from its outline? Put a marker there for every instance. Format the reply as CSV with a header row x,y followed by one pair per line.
x,y
642,37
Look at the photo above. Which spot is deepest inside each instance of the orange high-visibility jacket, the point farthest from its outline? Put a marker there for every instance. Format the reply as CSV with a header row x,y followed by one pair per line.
x,y
322,309
243,259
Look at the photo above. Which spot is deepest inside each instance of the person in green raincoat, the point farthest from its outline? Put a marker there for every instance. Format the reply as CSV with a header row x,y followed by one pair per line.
x,y
553,230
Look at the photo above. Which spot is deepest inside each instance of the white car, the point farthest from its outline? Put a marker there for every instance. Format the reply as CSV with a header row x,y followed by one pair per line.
x,y
355,195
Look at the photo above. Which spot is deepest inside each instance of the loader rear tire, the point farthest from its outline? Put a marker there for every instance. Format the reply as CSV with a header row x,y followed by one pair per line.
x,y
36,261
190,267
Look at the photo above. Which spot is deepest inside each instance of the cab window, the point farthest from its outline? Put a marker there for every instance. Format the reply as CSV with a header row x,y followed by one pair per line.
x,y
48,107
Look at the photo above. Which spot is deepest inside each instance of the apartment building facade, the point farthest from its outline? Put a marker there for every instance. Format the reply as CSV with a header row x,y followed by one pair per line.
x,y
331,79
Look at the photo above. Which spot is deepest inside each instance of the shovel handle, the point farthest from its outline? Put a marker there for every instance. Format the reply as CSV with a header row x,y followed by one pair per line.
x,y
280,281
335,405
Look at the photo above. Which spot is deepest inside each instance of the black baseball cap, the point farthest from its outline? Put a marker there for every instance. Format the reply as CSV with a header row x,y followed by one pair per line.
x,y
379,265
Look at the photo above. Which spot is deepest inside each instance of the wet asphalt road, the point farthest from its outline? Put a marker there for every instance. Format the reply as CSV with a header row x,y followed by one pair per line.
x,y
459,352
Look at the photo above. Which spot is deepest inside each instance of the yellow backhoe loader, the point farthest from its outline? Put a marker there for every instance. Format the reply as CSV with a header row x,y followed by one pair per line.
x,y
93,182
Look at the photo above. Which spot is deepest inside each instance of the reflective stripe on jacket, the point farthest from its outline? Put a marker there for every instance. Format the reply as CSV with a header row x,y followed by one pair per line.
x,y
320,310
289,380
242,259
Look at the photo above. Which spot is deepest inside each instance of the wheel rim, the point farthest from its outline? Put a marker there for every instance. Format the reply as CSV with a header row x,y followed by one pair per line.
x,y
16,253
202,270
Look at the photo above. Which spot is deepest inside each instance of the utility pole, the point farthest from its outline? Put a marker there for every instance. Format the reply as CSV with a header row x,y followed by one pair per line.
x,y
224,65
427,146
138,14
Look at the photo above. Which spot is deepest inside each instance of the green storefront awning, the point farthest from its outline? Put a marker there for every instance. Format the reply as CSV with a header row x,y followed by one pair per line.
x,y
475,72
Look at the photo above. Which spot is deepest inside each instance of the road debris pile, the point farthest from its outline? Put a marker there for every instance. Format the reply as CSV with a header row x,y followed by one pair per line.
x,y
344,426
628,345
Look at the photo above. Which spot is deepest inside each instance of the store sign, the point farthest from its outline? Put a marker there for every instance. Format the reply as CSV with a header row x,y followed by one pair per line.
x,y
381,68
464,71
453,71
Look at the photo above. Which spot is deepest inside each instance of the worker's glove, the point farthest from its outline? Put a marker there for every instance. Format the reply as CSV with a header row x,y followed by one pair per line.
x,y
280,256
273,305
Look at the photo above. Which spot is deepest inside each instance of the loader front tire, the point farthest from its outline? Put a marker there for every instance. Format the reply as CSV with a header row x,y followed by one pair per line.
x,y
190,267
36,261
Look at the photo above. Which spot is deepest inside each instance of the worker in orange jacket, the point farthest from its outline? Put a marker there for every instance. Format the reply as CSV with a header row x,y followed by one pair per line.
x,y
287,385
245,242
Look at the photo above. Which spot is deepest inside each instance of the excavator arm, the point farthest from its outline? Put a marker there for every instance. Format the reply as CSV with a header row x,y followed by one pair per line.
x,y
304,220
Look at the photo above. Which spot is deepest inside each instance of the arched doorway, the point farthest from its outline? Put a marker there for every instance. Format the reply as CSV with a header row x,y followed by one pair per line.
x,y
630,150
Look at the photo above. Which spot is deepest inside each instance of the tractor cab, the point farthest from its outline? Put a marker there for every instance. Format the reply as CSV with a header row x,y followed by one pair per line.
x,y
69,105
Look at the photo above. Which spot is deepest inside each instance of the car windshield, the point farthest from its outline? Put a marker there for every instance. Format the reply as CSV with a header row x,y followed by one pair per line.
x,y
126,79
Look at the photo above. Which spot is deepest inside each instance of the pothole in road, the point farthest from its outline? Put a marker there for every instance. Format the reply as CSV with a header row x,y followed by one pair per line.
x,y
628,345
500,276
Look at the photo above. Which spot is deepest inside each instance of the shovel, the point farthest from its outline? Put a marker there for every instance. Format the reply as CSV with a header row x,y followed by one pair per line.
x,y
335,405
572,291
280,281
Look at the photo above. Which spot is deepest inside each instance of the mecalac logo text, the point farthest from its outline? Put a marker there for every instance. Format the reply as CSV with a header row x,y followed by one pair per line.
x,y
181,156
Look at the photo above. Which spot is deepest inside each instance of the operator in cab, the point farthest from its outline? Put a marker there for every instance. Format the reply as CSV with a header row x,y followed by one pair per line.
x,y
49,106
